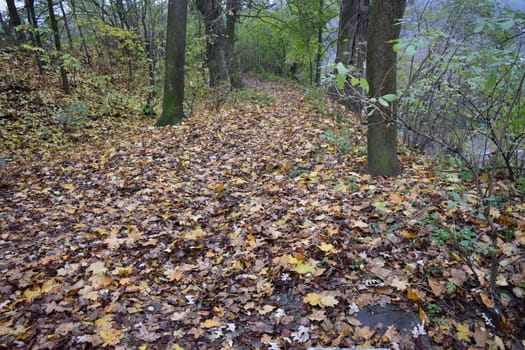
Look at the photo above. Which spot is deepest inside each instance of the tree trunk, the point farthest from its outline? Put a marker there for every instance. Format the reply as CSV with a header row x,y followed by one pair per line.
x,y
354,18
80,32
382,78
232,9
215,41
14,20
58,46
35,36
172,106
319,54
66,25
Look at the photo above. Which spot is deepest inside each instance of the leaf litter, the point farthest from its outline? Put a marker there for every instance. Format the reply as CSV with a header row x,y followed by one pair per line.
x,y
238,229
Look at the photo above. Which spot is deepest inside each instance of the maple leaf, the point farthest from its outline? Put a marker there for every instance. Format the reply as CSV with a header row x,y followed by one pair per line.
x,y
313,299
327,248
463,331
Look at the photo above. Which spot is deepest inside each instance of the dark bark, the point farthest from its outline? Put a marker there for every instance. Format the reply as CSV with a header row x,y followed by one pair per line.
x,y
14,20
148,46
172,107
35,35
215,41
232,17
382,78
66,24
354,18
58,46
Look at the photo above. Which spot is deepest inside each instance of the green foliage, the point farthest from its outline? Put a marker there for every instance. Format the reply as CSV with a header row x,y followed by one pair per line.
x,y
283,41
72,117
433,310
465,95
339,138
464,242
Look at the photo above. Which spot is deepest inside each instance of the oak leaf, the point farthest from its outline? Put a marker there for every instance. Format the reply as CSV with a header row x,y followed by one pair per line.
x,y
463,331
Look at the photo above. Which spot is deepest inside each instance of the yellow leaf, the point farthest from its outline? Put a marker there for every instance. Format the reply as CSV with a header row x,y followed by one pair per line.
x,y
304,269
50,286
198,233
104,322
313,299
134,233
111,336
210,323
31,294
143,347
266,309
69,187
327,248
176,347
463,331
328,300
399,284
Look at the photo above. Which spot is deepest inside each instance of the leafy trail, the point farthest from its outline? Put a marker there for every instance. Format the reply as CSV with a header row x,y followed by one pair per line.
x,y
243,229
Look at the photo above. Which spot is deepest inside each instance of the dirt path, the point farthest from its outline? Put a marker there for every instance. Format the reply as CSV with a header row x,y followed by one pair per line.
x,y
238,229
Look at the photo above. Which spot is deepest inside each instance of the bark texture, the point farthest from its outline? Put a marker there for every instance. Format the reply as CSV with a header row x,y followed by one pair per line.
x,y
173,100
211,11
382,78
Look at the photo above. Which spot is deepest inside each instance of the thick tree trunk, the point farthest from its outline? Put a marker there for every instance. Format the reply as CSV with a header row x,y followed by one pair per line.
x,y
215,41
58,46
14,20
232,9
382,78
172,106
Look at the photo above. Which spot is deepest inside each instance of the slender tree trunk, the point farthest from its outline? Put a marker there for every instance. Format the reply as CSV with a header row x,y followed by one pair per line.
x,y
58,46
319,46
6,28
382,78
148,45
35,35
172,106
80,32
15,21
215,42
232,9
66,25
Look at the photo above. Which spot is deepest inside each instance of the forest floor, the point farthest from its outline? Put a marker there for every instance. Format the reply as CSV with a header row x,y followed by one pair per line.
x,y
242,228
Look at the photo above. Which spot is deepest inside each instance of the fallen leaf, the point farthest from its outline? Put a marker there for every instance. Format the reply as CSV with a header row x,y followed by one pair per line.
x,y
463,331
210,323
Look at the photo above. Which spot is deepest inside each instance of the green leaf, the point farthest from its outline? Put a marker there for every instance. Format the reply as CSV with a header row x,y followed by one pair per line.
x,y
491,81
364,84
382,102
390,97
